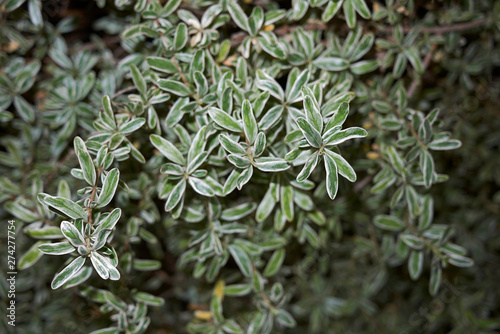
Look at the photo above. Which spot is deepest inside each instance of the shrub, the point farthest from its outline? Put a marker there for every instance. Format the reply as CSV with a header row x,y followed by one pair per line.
x,y
251,167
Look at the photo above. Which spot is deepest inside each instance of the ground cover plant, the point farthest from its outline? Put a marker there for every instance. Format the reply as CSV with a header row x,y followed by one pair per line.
x,y
257,166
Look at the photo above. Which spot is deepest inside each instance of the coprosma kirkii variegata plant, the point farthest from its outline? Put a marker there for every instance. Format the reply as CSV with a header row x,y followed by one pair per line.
x,y
225,135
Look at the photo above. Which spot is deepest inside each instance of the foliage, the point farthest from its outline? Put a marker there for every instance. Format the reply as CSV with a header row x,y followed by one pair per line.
x,y
178,169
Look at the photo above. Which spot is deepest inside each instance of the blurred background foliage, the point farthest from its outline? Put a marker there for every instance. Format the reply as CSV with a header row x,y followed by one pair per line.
x,y
59,58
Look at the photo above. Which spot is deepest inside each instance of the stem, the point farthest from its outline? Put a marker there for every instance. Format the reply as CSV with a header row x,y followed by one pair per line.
x,y
124,90
453,27
416,81
92,195
180,72
68,156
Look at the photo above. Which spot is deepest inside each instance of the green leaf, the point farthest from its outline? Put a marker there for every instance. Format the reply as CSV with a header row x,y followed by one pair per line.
x,y
460,261
364,66
198,144
232,327
85,161
242,260
138,79
167,149
331,9
362,8
313,116
81,276
293,93
309,166
427,167
201,187
230,145
201,83
237,289
109,188
389,223
170,7
68,272
21,212
267,83
162,64
57,248
146,265
415,264
344,168
412,200
24,109
337,119
46,232
412,241
260,144
363,47
232,228
100,265
32,255
10,5
72,234
349,13
286,200
174,87
238,212
445,145
249,123
285,318
132,125
271,117
435,279
270,164
396,160
310,133
239,160
333,64
266,205
66,207
255,21
414,58
148,299
176,195
224,120
197,162
275,262
108,221
181,36
332,183
238,15
427,213
344,135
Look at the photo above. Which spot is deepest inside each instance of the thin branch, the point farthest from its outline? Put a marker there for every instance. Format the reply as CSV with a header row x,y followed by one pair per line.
x,y
61,163
416,81
123,91
453,27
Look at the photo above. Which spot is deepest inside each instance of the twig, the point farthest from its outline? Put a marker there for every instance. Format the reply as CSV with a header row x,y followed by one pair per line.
x,y
453,27
123,91
416,81
61,163
180,72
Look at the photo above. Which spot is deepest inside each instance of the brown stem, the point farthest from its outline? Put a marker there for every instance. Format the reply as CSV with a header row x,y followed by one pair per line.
x,y
123,91
61,163
180,72
416,81
453,27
